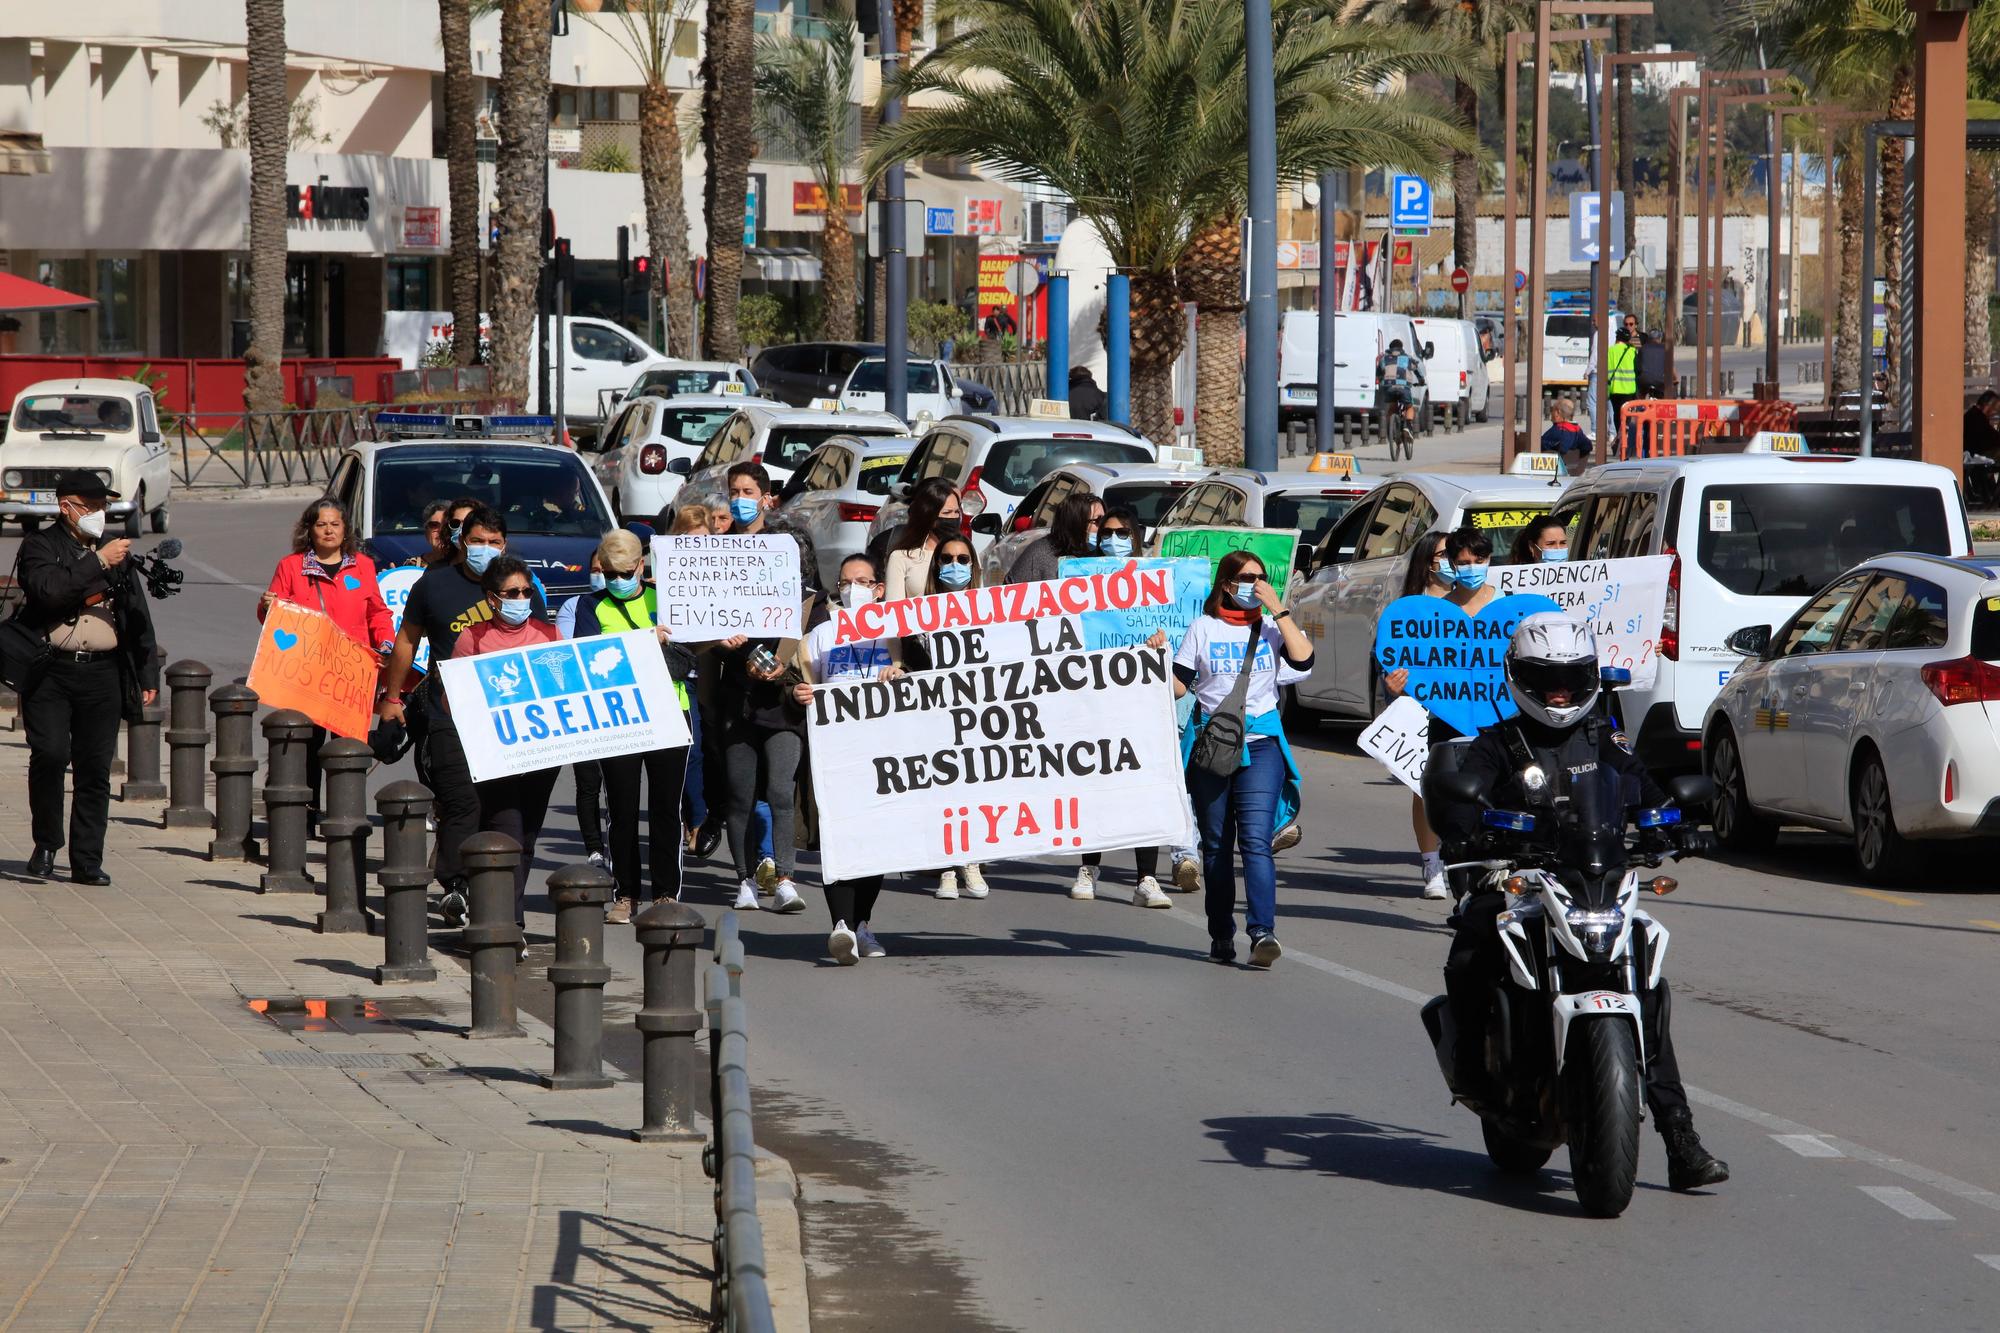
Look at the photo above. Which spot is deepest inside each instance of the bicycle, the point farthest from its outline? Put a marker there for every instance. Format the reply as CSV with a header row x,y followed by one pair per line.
x,y
1400,436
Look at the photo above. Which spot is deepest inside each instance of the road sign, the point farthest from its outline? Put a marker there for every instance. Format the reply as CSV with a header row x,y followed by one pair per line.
x,y
940,222
1520,280
913,221
1410,202
1404,254
1587,223
1460,280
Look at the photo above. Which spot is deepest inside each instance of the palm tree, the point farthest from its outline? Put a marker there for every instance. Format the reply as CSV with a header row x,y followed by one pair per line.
x,y
1135,109
727,69
524,149
805,89
269,129
645,30
461,152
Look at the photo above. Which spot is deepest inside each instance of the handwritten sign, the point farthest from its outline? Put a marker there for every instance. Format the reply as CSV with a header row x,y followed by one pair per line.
x,y
396,584
306,662
1400,738
718,586
1274,546
1124,626
565,702
1454,660
1622,601
1065,753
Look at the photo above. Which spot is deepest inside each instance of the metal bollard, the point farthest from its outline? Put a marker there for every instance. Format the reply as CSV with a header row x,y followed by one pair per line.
x,y
235,769
491,935
345,830
187,742
404,878
286,796
578,974
142,752
670,932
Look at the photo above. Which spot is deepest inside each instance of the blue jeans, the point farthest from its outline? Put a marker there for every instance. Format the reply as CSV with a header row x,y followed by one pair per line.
x,y
1240,809
760,825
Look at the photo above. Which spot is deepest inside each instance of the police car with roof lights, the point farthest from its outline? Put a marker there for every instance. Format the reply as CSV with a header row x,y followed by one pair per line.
x,y
1358,568
556,513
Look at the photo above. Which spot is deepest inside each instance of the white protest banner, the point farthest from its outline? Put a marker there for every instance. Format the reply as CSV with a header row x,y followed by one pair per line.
x,y
565,702
1400,738
396,584
1065,753
1621,600
718,586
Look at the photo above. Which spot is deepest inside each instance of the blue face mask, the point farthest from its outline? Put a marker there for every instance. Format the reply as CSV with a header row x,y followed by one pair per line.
x,y
597,580
1555,553
516,612
479,555
456,530
954,576
1117,544
1470,576
745,510
623,589
1244,594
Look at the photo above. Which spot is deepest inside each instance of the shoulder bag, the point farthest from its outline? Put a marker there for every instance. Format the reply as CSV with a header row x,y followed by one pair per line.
x,y
24,651
1218,746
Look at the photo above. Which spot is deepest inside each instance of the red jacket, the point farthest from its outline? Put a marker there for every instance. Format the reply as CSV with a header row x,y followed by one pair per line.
x,y
352,597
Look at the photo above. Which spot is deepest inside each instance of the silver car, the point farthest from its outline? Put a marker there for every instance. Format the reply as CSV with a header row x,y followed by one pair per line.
x,y
1311,502
779,438
1150,488
836,491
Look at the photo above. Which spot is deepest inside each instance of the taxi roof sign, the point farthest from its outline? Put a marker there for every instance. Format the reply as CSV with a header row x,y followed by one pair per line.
x,y
1344,464
824,404
1777,442
438,425
731,388
1050,409
1538,465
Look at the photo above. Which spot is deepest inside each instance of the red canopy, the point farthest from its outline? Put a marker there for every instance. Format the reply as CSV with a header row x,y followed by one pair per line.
x,y
18,294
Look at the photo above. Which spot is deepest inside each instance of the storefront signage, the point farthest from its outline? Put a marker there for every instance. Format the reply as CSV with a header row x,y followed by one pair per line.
x,y
982,216
808,200
326,203
423,228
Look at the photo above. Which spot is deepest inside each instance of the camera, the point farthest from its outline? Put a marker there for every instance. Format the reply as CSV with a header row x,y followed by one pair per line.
x,y
162,579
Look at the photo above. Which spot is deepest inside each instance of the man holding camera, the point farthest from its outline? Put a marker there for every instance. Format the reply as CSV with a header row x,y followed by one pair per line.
x,y
81,594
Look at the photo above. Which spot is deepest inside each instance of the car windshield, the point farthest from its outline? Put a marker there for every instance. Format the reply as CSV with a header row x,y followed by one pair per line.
x,y
787,446
873,377
693,425
1501,522
1016,465
541,494
1149,499
1313,515
670,382
1785,539
73,412
1567,326
879,474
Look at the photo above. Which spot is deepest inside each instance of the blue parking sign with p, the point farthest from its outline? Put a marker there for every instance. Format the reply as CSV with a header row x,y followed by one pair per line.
x,y
1409,202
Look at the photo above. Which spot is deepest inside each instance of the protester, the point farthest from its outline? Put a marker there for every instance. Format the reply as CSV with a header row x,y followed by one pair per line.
x,y
702,824
443,604
1564,436
1086,400
1428,575
589,775
1652,366
1072,534
1541,538
80,594
1622,373
1982,450
626,604
719,520
850,903
953,568
753,508
934,514
1262,795
437,517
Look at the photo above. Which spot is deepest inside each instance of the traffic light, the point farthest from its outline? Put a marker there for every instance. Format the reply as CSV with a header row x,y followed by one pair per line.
x,y
642,271
565,262
624,254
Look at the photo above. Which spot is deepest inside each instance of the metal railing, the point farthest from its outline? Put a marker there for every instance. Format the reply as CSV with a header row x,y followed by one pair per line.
x,y
258,449
740,1301
1015,383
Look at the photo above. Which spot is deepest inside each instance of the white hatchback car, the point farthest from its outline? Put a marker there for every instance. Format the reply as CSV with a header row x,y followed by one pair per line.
x,y
932,394
110,427
779,438
835,493
1149,488
1871,712
650,446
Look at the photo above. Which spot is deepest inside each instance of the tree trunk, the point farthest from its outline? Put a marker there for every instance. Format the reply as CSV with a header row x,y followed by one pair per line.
x,y
461,149
1464,192
1159,331
524,151
1218,385
836,263
1979,208
1902,106
1628,288
268,134
727,71
1847,328
672,275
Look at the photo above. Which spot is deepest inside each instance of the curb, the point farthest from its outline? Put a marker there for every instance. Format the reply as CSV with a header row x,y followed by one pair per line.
x,y
784,1251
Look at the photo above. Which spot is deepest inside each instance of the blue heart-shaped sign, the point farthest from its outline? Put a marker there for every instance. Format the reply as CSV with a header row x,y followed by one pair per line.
x,y
1455,661
353,584
284,638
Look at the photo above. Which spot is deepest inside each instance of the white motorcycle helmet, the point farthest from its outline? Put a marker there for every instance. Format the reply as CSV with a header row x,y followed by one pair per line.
x,y
1549,654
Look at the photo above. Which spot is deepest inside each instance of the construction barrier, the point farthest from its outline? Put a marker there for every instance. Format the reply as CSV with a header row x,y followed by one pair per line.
x,y
1670,427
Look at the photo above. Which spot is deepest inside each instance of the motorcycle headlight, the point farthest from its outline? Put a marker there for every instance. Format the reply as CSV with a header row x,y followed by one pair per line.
x,y
1596,929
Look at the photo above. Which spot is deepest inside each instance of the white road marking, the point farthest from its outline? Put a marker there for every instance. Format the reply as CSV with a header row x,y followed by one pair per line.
x,y
220,576
1773,1124
1906,1203
1808,1145
1990,1260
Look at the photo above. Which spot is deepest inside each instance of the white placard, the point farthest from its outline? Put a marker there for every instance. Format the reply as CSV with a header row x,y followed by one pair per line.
x,y
1621,600
396,584
1061,754
565,702
718,586
1007,607
1400,738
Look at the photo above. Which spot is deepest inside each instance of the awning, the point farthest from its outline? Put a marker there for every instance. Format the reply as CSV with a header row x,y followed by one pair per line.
x,y
783,263
22,154
19,294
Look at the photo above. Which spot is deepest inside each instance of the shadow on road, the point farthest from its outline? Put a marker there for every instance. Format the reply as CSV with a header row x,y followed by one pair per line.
x,y
1958,867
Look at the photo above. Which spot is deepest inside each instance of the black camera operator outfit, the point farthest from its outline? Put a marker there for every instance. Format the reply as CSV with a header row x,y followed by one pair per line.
x,y
100,632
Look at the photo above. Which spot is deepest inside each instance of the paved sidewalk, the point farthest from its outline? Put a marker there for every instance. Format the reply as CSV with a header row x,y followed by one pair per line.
x,y
171,1158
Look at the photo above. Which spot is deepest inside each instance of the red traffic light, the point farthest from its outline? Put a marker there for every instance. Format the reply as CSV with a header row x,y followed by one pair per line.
x,y
643,265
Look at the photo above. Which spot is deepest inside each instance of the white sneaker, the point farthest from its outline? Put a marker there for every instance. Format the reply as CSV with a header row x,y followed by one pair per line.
x,y
1435,887
767,874
1148,894
975,883
948,884
842,944
870,946
746,896
1085,887
788,898
1187,873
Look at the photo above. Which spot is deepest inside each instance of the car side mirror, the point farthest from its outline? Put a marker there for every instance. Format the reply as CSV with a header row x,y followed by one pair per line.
x,y
679,466
899,490
633,354
149,437
987,525
1691,791
1750,641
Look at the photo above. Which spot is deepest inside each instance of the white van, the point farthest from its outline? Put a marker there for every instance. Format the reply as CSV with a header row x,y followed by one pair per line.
x,y
598,359
1456,370
1753,535
1565,348
1359,336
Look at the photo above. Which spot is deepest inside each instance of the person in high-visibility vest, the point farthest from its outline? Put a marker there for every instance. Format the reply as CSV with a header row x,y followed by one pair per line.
x,y
1621,377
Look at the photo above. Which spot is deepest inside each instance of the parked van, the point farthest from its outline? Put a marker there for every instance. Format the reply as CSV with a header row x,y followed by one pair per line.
x,y
1565,348
595,360
1359,337
1753,535
1453,362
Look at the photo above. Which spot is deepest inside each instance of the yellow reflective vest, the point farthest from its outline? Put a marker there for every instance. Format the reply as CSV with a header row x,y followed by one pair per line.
x,y
1624,370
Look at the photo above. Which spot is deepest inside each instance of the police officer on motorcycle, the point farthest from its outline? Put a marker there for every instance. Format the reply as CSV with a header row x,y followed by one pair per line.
x,y
1560,748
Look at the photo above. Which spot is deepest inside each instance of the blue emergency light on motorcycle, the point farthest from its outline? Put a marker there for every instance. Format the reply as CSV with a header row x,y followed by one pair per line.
x,y
1659,816
1511,820
1614,676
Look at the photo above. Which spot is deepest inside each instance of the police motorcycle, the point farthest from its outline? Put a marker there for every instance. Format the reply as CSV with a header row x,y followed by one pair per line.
x,y
1564,1045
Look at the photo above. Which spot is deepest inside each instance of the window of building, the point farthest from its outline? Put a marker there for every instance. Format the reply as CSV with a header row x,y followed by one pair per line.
x,y
63,332
117,293
410,284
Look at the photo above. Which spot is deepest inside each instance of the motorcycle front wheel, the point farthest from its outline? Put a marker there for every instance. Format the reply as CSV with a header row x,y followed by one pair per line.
x,y
1601,1081
1513,1157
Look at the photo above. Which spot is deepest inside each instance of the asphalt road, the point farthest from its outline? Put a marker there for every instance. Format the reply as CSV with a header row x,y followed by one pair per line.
x,y
1041,1114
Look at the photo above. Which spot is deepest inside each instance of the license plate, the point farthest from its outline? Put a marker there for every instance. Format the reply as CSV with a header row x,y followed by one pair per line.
x,y
1573,360
41,497
1304,395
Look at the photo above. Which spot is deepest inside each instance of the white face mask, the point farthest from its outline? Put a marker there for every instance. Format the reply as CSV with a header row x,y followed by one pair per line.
x,y
91,525
854,596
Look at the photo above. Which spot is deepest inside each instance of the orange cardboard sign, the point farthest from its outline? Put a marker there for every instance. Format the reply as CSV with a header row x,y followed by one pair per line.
x,y
305,661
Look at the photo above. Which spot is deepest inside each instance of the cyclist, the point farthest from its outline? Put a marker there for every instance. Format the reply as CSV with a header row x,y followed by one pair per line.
x,y
1395,369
